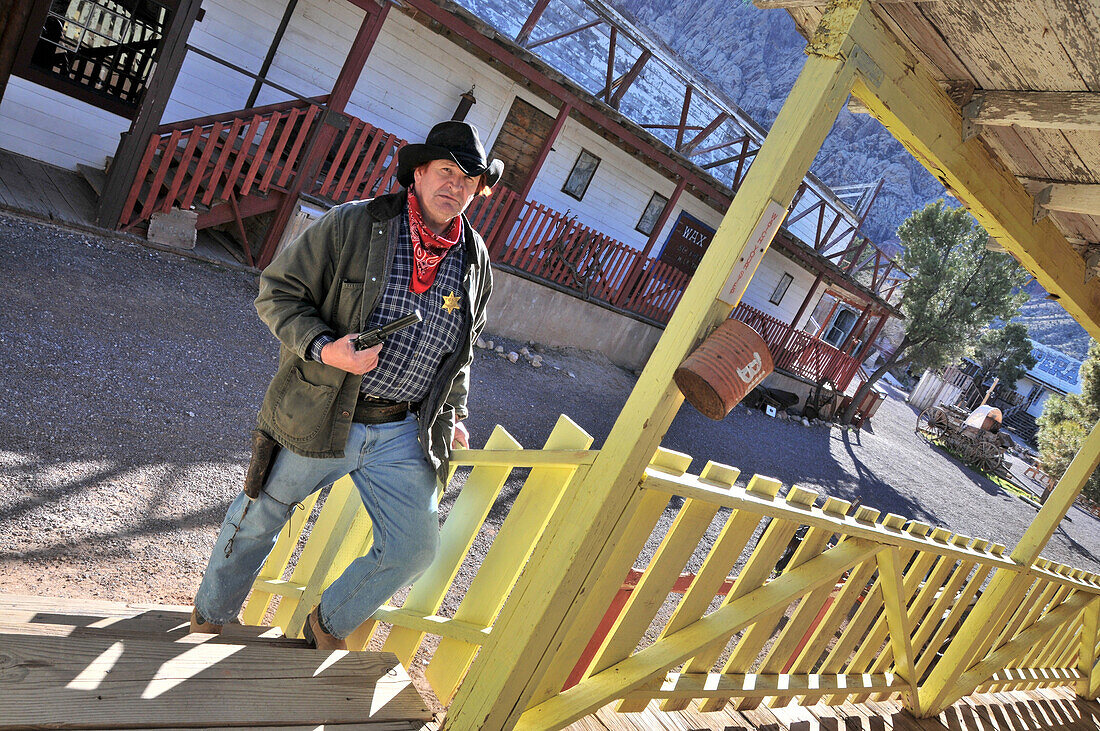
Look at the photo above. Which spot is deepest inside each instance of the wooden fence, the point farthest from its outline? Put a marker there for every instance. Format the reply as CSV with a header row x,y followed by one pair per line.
x,y
240,158
221,158
859,608
799,352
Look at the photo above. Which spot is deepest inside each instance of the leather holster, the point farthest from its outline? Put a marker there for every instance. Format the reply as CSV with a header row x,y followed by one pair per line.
x,y
264,449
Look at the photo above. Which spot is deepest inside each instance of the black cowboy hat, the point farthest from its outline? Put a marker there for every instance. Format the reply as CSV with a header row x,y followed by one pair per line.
x,y
449,140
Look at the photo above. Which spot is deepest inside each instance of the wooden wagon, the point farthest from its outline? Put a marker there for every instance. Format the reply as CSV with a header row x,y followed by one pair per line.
x,y
975,435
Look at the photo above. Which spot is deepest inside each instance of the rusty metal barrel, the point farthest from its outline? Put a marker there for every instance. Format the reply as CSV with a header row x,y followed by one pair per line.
x,y
732,361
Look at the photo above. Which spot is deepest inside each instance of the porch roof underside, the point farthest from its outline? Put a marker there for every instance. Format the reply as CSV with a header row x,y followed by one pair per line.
x,y
1026,76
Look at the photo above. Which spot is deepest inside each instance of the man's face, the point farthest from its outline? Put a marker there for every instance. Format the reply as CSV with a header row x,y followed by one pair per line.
x,y
444,191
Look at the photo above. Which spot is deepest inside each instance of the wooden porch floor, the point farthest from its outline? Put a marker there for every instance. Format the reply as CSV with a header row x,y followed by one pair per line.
x,y
92,664
35,189
67,663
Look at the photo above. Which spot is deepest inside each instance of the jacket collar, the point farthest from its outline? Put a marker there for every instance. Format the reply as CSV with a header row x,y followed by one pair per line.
x,y
385,207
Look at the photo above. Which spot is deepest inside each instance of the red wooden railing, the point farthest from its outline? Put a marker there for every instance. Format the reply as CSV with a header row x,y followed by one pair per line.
x,y
488,215
799,352
234,157
362,163
220,158
553,246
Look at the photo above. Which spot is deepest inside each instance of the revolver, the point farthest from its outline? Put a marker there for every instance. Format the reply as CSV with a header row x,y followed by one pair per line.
x,y
373,337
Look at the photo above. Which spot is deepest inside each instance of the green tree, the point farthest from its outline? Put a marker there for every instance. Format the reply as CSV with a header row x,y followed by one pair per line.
x,y
1005,353
956,287
1067,420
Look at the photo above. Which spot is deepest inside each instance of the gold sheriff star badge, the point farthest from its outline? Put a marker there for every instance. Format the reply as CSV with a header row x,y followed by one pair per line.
x,y
450,302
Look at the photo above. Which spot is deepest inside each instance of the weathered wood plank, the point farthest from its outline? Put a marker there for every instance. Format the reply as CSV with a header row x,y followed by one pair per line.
x,y
1036,53
34,196
1077,110
77,682
924,41
965,29
1069,197
1077,27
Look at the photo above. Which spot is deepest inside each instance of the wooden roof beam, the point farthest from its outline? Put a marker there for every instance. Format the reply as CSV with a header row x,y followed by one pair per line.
x,y
1063,110
629,77
532,20
563,34
706,132
1067,197
903,96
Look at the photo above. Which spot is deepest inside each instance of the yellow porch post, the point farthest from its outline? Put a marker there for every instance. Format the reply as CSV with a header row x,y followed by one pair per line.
x,y
896,89
538,619
1086,657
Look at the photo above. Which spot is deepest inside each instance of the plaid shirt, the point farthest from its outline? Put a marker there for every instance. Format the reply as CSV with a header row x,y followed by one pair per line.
x,y
410,357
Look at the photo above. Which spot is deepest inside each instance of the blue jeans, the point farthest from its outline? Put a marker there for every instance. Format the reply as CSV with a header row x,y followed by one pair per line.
x,y
398,489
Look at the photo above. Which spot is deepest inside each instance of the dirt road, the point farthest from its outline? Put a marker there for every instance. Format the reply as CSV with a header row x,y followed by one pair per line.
x,y
132,378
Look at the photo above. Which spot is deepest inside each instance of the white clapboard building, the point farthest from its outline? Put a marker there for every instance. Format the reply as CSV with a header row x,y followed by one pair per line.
x,y
256,115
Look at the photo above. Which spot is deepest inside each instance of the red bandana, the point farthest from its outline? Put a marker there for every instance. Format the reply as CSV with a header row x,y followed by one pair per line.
x,y
429,248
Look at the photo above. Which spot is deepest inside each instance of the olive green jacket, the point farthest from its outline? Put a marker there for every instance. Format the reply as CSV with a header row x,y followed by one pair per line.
x,y
328,281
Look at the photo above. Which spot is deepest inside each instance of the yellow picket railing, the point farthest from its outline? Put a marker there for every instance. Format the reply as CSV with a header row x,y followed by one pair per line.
x,y
861,609
341,532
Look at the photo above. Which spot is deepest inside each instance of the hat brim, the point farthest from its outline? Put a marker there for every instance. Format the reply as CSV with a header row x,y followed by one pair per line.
x,y
412,156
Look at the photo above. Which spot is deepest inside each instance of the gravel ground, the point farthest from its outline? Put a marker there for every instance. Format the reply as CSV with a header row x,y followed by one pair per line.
x,y
133,379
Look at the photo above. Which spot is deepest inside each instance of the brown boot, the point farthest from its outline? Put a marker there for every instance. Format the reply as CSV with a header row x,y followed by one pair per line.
x,y
317,637
199,624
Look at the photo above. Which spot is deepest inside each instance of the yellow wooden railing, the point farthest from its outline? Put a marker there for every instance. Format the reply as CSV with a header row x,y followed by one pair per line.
x,y
341,532
864,608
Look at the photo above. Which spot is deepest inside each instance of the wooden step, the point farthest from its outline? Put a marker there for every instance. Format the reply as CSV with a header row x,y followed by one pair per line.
x,y
91,664
94,177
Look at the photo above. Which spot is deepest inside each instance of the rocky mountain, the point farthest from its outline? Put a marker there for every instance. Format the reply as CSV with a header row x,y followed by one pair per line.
x,y
1048,323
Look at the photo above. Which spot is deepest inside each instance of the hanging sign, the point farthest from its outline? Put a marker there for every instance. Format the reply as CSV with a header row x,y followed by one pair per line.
x,y
686,243
757,244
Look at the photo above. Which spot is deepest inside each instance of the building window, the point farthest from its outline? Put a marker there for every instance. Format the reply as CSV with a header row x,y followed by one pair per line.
x,y
842,325
100,51
781,288
581,174
651,213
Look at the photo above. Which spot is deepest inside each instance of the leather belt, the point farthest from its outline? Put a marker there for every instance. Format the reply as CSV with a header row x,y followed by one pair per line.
x,y
370,410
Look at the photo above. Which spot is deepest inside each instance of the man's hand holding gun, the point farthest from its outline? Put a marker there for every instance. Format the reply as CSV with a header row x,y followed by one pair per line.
x,y
358,352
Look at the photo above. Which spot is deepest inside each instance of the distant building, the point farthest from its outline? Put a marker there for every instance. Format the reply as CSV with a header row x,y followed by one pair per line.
x,y
1054,373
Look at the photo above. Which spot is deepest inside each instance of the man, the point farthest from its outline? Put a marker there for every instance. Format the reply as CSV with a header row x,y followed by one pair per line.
x,y
387,415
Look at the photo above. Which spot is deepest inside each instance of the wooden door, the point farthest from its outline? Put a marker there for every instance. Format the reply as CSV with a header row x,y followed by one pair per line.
x,y
517,146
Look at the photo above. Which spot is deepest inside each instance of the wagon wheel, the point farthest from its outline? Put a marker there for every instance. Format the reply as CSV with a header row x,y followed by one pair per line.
x,y
967,447
989,456
932,423
959,443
